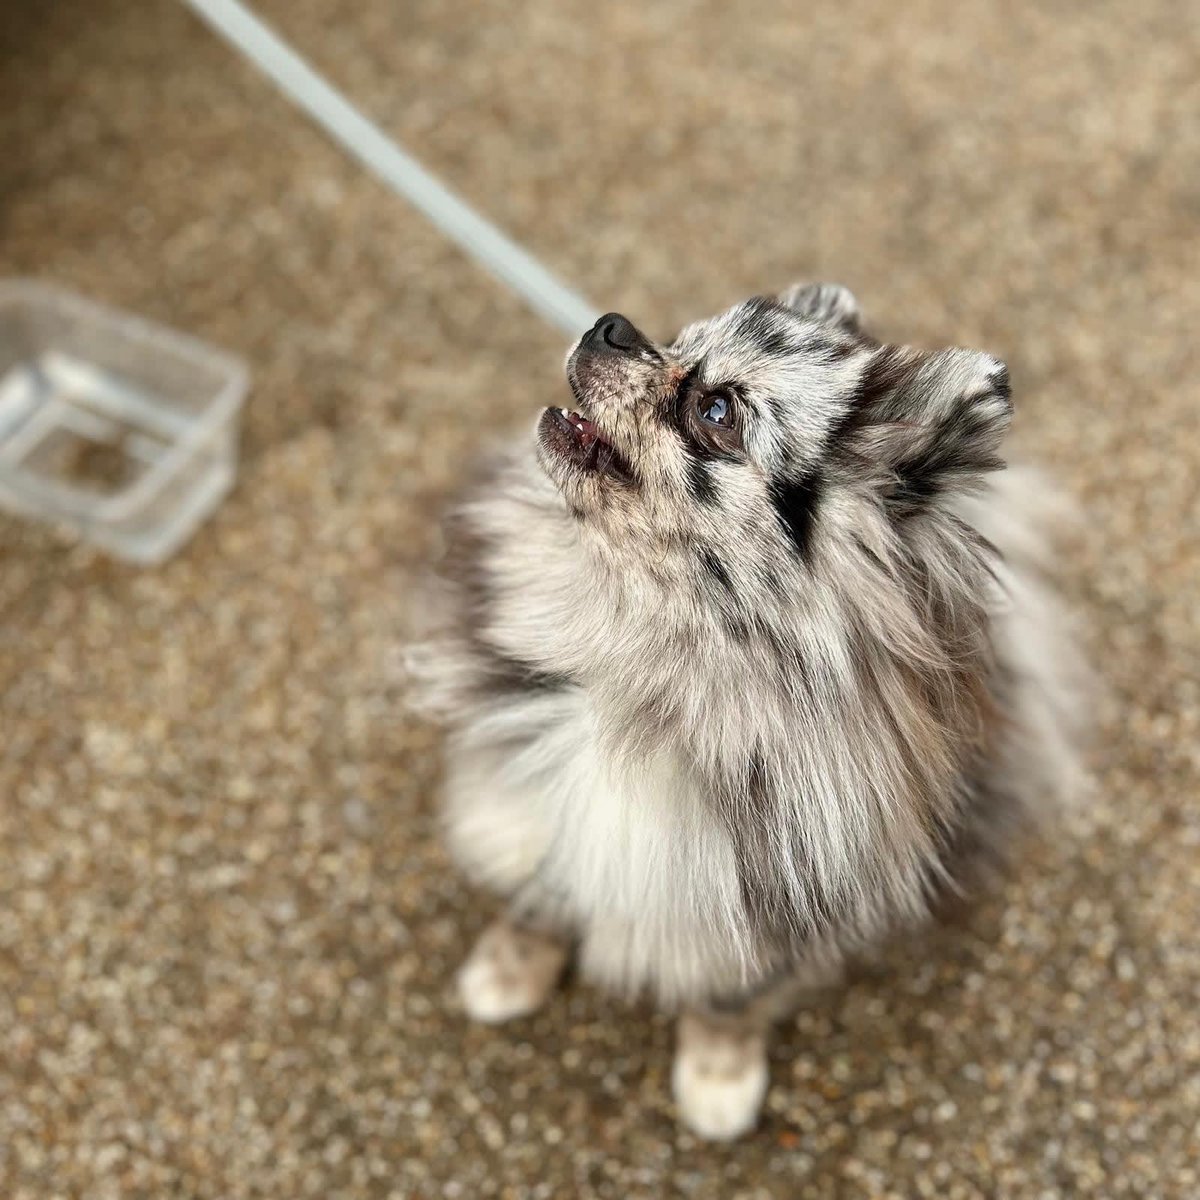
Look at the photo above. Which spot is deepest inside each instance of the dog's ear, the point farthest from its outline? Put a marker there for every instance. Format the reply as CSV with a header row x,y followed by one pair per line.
x,y
928,424
829,303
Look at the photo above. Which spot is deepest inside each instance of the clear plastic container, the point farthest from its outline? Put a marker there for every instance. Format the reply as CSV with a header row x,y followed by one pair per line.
x,y
123,431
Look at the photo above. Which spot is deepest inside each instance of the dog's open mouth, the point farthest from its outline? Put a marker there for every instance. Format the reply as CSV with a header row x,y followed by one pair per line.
x,y
578,440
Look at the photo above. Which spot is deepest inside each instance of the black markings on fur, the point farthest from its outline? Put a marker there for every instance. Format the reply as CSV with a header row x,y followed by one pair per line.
x,y
768,326
736,628
887,371
933,447
750,817
759,323
712,564
731,619
753,812
884,383
773,341
1002,386
700,481
960,449
796,504
833,350
817,910
870,555
774,584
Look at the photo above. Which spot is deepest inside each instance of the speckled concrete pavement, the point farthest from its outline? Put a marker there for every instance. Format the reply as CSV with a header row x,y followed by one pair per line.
x,y
227,932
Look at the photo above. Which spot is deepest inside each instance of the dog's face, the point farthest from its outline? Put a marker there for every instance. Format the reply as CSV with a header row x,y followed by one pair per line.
x,y
735,438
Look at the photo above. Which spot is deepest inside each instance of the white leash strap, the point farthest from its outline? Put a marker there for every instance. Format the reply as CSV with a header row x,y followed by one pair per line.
x,y
376,151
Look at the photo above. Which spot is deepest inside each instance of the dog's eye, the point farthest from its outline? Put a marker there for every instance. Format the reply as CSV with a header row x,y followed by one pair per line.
x,y
717,409
711,419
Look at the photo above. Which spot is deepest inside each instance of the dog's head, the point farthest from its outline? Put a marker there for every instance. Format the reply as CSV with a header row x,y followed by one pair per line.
x,y
738,438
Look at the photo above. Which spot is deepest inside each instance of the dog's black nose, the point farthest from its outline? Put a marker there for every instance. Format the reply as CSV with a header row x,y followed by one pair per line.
x,y
613,332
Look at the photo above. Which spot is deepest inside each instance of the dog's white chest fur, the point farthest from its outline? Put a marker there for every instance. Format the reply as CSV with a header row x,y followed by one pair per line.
x,y
625,853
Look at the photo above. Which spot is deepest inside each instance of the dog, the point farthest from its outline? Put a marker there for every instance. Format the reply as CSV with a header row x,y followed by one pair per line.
x,y
749,658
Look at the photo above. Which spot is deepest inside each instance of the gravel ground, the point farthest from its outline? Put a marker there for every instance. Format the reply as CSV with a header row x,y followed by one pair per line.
x,y
227,931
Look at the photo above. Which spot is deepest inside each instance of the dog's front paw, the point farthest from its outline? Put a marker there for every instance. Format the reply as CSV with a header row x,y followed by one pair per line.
x,y
509,973
719,1077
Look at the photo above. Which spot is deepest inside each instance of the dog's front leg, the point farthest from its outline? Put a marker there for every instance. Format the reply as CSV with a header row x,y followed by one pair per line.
x,y
720,1072
510,972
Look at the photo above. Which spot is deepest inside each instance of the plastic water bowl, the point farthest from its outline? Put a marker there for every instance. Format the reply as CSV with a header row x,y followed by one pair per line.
x,y
123,431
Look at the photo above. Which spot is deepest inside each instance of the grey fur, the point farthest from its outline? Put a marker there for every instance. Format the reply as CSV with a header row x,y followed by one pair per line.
x,y
759,705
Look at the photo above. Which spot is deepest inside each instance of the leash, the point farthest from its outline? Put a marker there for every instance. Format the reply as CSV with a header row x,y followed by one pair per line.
x,y
358,135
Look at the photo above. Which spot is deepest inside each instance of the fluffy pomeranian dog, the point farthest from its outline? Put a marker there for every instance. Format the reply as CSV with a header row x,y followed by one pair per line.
x,y
748,658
